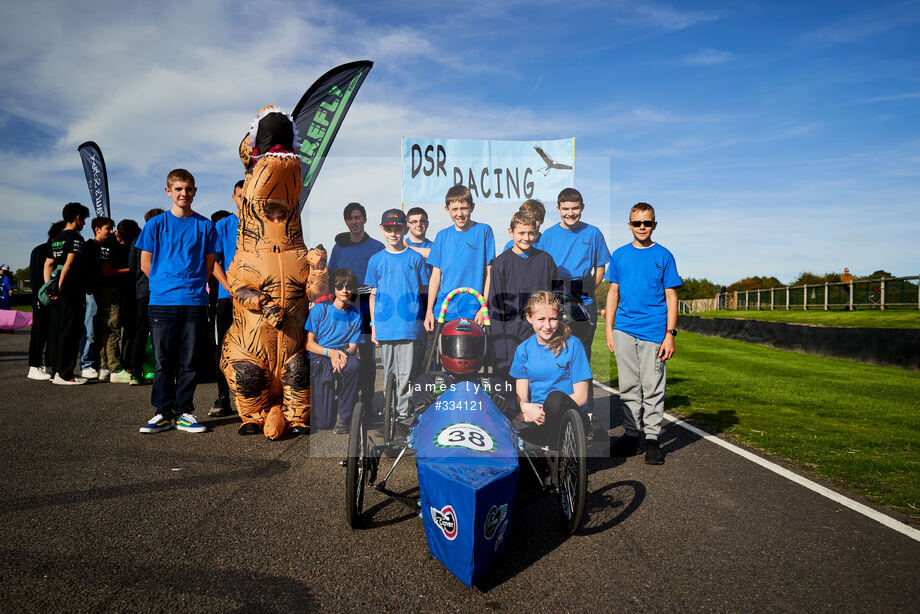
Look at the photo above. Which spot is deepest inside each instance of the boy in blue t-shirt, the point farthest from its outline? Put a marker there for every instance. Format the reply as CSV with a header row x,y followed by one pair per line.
x,y
640,329
417,219
353,250
396,276
459,258
333,331
581,255
177,255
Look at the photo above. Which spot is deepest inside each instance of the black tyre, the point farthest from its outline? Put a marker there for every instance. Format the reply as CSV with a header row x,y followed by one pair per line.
x,y
389,409
357,467
572,468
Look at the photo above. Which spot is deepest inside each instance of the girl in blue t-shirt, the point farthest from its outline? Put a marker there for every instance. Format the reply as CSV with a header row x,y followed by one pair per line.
x,y
551,371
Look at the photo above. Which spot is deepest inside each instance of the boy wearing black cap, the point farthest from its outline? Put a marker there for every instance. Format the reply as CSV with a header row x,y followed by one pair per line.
x,y
396,275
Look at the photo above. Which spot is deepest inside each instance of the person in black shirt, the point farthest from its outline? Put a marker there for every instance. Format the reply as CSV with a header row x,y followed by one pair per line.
x,y
39,348
515,275
67,308
113,267
127,232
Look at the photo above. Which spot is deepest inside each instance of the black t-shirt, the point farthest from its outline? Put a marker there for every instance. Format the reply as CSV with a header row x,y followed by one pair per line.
x,y
116,254
92,272
65,243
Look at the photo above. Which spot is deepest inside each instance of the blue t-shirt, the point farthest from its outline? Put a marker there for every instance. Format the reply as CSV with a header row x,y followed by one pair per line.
x,y
547,372
6,292
354,256
576,252
226,230
333,327
178,273
423,244
398,279
642,274
462,256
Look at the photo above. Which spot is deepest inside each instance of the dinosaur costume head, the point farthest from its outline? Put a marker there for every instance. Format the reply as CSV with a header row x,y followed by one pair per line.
x,y
269,213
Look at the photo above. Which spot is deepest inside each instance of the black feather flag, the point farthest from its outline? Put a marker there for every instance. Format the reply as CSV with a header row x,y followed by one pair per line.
x,y
319,114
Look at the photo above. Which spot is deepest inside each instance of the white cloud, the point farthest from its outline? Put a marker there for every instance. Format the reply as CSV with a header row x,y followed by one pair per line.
x,y
906,96
662,16
708,56
860,26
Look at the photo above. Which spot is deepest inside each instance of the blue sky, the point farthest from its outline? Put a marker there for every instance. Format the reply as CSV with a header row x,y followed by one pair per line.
x,y
772,138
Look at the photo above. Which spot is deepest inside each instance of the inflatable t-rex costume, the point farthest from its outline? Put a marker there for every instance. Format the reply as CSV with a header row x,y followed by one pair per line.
x,y
264,357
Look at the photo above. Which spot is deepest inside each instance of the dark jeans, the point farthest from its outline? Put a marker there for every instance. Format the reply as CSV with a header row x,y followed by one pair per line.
x,y
224,318
139,343
128,317
174,330
64,330
39,348
325,402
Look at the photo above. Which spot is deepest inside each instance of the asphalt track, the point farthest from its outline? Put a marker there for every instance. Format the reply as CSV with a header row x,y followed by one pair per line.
x,y
96,517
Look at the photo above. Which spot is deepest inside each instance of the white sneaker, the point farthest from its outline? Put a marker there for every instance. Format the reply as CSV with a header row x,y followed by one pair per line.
x,y
104,375
156,424
189,423
38,374
60,381
120,377
89,373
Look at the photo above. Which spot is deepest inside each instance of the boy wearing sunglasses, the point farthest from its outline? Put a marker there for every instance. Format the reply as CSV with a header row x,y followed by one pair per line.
x,y
640,329
333,330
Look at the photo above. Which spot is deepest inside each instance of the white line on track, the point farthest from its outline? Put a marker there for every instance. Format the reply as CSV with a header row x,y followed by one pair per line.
x,y
865,510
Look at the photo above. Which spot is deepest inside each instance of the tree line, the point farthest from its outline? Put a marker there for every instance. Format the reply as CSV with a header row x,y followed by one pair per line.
x,y
694,288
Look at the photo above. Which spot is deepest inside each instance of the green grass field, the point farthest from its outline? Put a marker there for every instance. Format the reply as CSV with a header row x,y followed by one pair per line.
x,y
890,318
857,424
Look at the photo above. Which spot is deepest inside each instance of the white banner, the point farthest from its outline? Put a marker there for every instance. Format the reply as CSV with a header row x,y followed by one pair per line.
x,y
494,171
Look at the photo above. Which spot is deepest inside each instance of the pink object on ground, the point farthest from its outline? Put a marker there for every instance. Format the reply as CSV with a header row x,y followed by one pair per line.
x,y
10,319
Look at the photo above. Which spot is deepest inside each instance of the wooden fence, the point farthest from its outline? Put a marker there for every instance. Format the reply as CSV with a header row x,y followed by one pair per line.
x,y
858,294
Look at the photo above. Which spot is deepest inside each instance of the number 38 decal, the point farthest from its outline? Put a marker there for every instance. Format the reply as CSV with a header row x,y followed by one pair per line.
x,y
465,435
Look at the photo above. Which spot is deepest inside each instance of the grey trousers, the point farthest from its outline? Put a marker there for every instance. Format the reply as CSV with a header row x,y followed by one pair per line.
x,y
641,377
398,358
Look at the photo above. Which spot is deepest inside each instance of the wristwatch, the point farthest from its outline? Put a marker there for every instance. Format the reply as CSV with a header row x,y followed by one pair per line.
x,y
673,331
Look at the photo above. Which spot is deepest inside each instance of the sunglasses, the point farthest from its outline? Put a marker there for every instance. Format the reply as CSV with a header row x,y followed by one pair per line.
x,y
343,286
646,223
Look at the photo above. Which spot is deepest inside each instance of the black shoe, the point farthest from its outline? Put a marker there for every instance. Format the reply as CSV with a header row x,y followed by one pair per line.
x,y
249,428
221,407
627,445
340,427
653,453
299,430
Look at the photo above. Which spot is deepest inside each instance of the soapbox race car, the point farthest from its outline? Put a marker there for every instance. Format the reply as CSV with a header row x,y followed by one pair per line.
x,y
467,454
